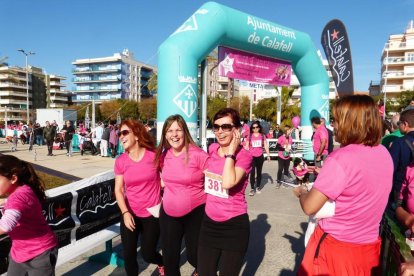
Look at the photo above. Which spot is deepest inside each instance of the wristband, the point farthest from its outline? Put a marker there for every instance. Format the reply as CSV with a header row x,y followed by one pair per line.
x,y
232,156
125,212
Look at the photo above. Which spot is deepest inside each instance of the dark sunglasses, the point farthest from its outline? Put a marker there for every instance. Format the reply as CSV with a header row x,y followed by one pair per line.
x,y
224,127
253,127
124,132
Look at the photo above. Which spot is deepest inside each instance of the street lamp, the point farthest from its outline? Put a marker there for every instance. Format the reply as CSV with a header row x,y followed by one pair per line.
x,y
27,81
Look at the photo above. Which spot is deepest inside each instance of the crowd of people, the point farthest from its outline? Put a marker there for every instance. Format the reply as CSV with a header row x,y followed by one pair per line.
x,y
190,196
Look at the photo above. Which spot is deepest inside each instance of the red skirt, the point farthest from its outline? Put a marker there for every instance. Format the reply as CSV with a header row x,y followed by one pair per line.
x,y
326,255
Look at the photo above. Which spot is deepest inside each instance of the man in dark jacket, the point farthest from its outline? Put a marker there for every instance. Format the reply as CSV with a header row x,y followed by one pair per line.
x,y
49,133
68,130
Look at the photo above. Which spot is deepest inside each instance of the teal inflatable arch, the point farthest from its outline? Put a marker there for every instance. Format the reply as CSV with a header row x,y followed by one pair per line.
x,y
214,24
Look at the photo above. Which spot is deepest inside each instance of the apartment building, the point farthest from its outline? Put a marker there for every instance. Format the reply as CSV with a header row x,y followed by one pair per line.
x,y
13,93
43,89
117,77
57,96
397,63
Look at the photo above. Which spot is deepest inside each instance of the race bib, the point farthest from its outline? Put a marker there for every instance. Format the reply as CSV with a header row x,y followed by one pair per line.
x,y
213,185
257,143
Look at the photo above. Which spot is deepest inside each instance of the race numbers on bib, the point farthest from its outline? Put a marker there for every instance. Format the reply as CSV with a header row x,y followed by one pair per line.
x,y
213,185
257,144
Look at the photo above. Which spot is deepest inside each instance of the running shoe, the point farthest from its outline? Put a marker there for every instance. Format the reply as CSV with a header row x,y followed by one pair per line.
x,y
252,192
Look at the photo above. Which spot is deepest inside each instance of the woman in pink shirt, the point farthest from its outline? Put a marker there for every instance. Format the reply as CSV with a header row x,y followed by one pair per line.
x,y
34,246
284,143
405,207
182,164
255,143
358,177
137,188
225,229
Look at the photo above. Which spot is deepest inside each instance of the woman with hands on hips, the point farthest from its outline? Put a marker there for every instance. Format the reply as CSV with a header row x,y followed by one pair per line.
x,y
137,187
224,234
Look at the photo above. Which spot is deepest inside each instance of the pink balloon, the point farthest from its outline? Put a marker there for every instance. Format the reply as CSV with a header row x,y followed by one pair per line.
x,y
296,121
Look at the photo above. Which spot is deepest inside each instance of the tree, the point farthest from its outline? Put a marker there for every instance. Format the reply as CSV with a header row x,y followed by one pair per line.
x,y
129,109
81,110
214,105
403,100
153,82
109,109
147,109
289,110
266,109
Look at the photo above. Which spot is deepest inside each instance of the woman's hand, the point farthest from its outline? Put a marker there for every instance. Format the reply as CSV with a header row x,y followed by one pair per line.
x,y
235,142
129,221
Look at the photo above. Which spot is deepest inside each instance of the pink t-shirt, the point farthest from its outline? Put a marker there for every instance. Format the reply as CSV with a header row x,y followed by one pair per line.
x,y
31,236
321,133
283,141
358,178
222,209
256,144
142,182
184,181
407,189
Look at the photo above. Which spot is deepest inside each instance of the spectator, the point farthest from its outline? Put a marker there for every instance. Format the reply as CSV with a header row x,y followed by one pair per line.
x,y
277,132
357,176
105,140
410,106
330,136
38,134
68,130
401,154
388,139
113,140
270,133
319,141
98,131
49,133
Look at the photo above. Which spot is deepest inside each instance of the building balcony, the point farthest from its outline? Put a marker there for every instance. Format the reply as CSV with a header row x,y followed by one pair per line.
x,y
56,105
75,80
398,46
58,98
56,83
397,61
14,101
397,75
12,76
96,90
77,71
392,88
14,93
13,84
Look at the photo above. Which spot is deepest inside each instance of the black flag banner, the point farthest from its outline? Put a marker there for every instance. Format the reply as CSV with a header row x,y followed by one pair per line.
x,y
335,43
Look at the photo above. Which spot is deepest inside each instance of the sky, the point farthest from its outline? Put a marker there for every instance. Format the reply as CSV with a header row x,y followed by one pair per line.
x,y
61,31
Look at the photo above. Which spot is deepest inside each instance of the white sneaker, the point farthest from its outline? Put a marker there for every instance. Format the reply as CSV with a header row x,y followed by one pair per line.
x,y
258,191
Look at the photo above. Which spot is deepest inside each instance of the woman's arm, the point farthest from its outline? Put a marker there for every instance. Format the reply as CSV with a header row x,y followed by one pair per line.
x,y
312,201
266,146
119,195
405,218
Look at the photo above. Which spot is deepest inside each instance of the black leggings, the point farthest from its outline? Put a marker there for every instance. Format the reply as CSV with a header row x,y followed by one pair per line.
x,y
172,231
257,165
231,262
149,228
283,167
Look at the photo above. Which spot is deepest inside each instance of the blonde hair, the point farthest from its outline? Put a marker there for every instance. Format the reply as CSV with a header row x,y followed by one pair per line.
x,y
357,121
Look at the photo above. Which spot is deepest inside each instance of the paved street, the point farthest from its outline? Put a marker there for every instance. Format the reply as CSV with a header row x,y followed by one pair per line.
x,y
277,222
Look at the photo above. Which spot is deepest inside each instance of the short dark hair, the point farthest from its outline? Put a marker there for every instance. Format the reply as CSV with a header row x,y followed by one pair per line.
x,y
316,120
408,116
232,113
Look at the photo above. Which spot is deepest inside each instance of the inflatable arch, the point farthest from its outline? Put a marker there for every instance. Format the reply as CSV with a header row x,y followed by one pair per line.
x,y
214,24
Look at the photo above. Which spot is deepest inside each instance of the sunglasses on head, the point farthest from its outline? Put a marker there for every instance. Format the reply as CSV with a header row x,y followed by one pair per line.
x,y
224,127
124,132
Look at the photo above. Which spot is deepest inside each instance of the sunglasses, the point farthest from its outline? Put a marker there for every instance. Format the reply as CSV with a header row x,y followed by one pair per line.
x,y
124,132
255,127
224,127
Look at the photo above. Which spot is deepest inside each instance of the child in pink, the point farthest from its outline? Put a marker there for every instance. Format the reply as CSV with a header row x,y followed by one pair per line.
x,y
34,246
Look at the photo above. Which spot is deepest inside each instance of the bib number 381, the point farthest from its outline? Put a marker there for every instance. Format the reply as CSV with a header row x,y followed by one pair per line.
x,y
213,185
